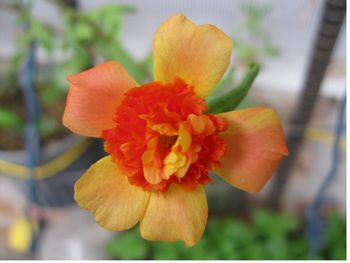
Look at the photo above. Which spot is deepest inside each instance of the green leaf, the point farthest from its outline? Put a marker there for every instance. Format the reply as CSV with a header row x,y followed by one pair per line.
x,y
128,246
271,51
83,31
335,236
246,103
298,247
276,247
245,51
256,251
47,126
268,224
51,94
224,82
166,251
231,99
9,119
110,18
43,35
202,250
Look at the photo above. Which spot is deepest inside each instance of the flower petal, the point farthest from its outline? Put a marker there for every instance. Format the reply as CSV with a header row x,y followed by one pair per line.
x,y
255,145
107,193
176,215
199,55
93,98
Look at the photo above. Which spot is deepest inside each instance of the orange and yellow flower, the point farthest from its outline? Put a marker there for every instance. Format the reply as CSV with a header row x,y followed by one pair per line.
x,y
161,145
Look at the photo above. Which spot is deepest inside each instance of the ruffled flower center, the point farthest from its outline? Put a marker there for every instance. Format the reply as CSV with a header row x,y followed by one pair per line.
x,y
162,137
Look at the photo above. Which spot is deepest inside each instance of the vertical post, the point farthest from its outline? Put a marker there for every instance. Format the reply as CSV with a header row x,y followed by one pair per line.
x,y
315,220
31,136
332,19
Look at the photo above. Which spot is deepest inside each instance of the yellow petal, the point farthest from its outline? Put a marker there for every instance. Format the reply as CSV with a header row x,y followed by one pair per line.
x,y
107,193
184,138
199,55
201,124
176,215
255,146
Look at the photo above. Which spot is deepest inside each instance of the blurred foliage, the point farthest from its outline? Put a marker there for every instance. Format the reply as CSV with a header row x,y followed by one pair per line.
x,y
9,119
335,237
268,236
86,36
251,41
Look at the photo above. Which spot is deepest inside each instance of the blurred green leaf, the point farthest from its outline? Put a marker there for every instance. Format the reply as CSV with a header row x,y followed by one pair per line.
x,y
11,120
275,247
128,246
42,34
110,18
255,12
298,248
256,251
83,31
269,224
335,237
247,103
271,51
252,41
166,251
232,238
231,99
202,250
47,127
51,94
245,51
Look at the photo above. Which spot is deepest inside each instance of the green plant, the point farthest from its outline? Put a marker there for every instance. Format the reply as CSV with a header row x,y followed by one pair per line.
x,y
267,236
335,237
231,99
9,119
131,247
252,42
86,36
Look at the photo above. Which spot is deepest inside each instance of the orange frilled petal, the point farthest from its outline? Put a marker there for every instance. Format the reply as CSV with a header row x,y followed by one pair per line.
x,y
161,137
176,215
255,146
199,55
106,192
93,98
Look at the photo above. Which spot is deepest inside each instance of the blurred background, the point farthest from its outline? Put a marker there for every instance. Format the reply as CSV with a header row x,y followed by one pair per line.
x,y
300,47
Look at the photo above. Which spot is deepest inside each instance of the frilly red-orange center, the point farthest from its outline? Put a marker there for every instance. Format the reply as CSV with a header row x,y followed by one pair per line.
x,y
162,137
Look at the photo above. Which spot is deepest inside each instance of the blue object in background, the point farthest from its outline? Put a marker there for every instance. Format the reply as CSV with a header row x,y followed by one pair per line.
x,y
27,77
316,221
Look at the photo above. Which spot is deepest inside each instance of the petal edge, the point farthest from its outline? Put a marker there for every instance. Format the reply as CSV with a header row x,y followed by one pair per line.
x,y
93,97
199,55
107,193
255,146
175,215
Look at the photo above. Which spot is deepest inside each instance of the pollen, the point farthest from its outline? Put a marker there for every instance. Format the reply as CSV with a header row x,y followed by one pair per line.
x,y
161,137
